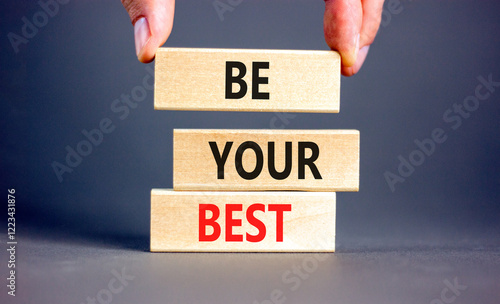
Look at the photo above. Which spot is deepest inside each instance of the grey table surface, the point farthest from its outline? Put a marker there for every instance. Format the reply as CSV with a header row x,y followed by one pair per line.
x,y
62,268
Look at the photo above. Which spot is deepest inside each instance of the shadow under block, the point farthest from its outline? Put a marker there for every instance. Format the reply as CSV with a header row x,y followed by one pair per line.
x,y
247,80
317,160
185,221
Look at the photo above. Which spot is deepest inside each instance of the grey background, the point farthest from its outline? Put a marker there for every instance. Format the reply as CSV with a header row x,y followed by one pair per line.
x,y
393,247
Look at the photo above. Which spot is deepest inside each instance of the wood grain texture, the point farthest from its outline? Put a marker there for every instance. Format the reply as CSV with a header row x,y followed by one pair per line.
x,y
298,81
309,226
195,167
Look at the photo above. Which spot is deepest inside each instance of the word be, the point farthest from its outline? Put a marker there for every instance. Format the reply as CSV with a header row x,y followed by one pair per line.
x,y
231,222
242,70
220,160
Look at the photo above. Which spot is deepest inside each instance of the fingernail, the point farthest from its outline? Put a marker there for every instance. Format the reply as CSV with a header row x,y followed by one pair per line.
x,y
356,49
141,34
363,52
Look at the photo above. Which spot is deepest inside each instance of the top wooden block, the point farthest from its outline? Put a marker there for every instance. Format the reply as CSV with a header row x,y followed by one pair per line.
x,y
247,80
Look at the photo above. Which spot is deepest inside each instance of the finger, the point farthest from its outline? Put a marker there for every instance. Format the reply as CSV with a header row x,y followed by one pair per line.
x,y
153,21
342,26
350,71
372,15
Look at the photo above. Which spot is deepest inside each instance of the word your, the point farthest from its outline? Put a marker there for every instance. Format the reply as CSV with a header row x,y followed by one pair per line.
x,y
242,70
220,159
231,222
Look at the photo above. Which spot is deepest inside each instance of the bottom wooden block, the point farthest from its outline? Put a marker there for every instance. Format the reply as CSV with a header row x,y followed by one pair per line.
x,y
186,221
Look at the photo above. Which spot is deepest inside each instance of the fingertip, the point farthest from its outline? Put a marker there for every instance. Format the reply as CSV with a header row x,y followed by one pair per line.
x,y
153,22
354,69
145,56
347,71
142,36
148,52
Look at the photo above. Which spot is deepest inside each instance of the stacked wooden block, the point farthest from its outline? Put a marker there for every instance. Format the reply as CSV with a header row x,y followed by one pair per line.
x,y
252,190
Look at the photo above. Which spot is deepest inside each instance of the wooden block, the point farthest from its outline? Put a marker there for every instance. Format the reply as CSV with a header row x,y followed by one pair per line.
x,y
247,80
318,160
242,221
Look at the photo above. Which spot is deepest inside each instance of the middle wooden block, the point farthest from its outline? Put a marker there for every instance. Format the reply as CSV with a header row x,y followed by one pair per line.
x,y
258,160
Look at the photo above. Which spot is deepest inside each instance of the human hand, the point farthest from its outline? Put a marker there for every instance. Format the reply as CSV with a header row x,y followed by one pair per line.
x,y
153,21
350,27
